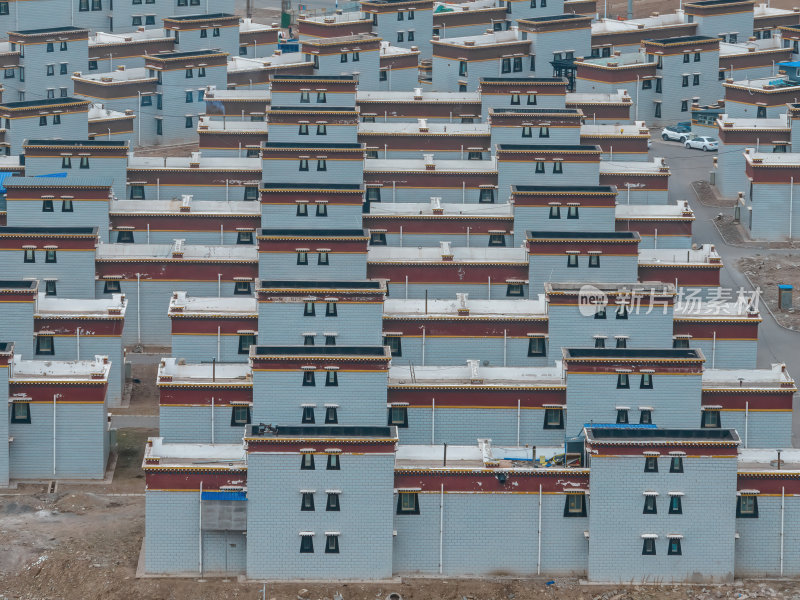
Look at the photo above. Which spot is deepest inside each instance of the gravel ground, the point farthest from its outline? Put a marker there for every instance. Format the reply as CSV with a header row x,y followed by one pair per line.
x,y
766,272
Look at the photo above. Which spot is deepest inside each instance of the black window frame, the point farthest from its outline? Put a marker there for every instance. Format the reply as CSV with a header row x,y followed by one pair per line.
x,y
675,505
331,544
307,462
236,419
650,505
307,502
676,464
674,547
112,286
537,346
749,514
573,511
410,508
334,462
395,344
26,418
306,544
553,423
646,381
45,350
244,347
651,464
648,546
309,379
645,416
623,381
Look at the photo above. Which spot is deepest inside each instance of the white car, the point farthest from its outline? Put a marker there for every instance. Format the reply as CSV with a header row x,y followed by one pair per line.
x,y
676,133
702,142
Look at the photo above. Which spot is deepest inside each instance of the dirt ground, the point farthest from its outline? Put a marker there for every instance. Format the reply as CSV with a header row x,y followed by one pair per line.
x,y
767,272
83,542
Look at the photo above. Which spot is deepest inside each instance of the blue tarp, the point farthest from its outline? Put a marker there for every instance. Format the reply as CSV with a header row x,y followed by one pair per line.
x,y
53,175
239,496
3,176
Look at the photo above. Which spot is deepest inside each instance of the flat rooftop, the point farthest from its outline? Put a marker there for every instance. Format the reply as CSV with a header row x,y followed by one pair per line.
x,y
618,97
44,231
54,307
432,309
174,205
434,255
656,165
653,211
186,455
60,370
583,235
182,304
774,378
118,76
269,284
661,288
24,284
444,376
633,353
645,435
174,372
400,165
319,351
549,189
206,162
103,38
712,309
430,128
326,233
158,252
473,458
425,97
780,122
410,209
702,255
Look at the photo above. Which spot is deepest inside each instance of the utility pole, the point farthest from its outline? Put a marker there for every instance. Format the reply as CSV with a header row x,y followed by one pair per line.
x,y
249,9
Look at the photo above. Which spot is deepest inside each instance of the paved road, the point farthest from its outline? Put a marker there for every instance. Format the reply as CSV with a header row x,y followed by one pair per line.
x,y
133,421
775,344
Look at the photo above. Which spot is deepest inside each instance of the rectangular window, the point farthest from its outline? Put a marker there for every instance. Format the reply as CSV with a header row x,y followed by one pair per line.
x,y
9,73
650,507
125,237
646,383
331,379
44,345
514,290
649,547
572,263
322,97
411,35
150,20
331,544
308,309
189,97
159,127
244,237
51,70
558,168
544,132
245,341
497,240
622,342
408,503
622,416
330,309
331,417
50,47
189,123
684,105
674,548
215,32
356,57
685,81
395,344
309,379
308,340
537,346
594,260
333,463
189,73
50,288
680,343
307,462
47,206
343,58
623,381
50,256
651,464
302,210
747,507
323,259
506,65
517,66
599,342
112,287
373,194
645,417
4,8
686,57
486,196
676,464
377,239
575,505
306,544
399,36
675,507
21,412
527,131
400,16
242,288
553,418
43,121
710,419
398,416
333,502
240,415
303,164
302,259
251,193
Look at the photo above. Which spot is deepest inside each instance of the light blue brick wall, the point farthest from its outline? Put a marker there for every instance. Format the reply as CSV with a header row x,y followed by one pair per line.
x,y
770,212
66,348
504,101
4,426
765,428
730,175
513,135
399,80
152,316
465,425
422,24
449,195
568,328
17,319
174,87
203,348
283,265
190,40
355,324
171,545
100,167
457,350
520,172
288,171
612,268
485,547
368,65
192,424
446,291
74,270
274,518
665,241
476,240
192,238
538,218
74,126
278,216
758,549
81,452
728,354
28,213
334,133
278,397
24,15
675,400
446,76
716,25
617,523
